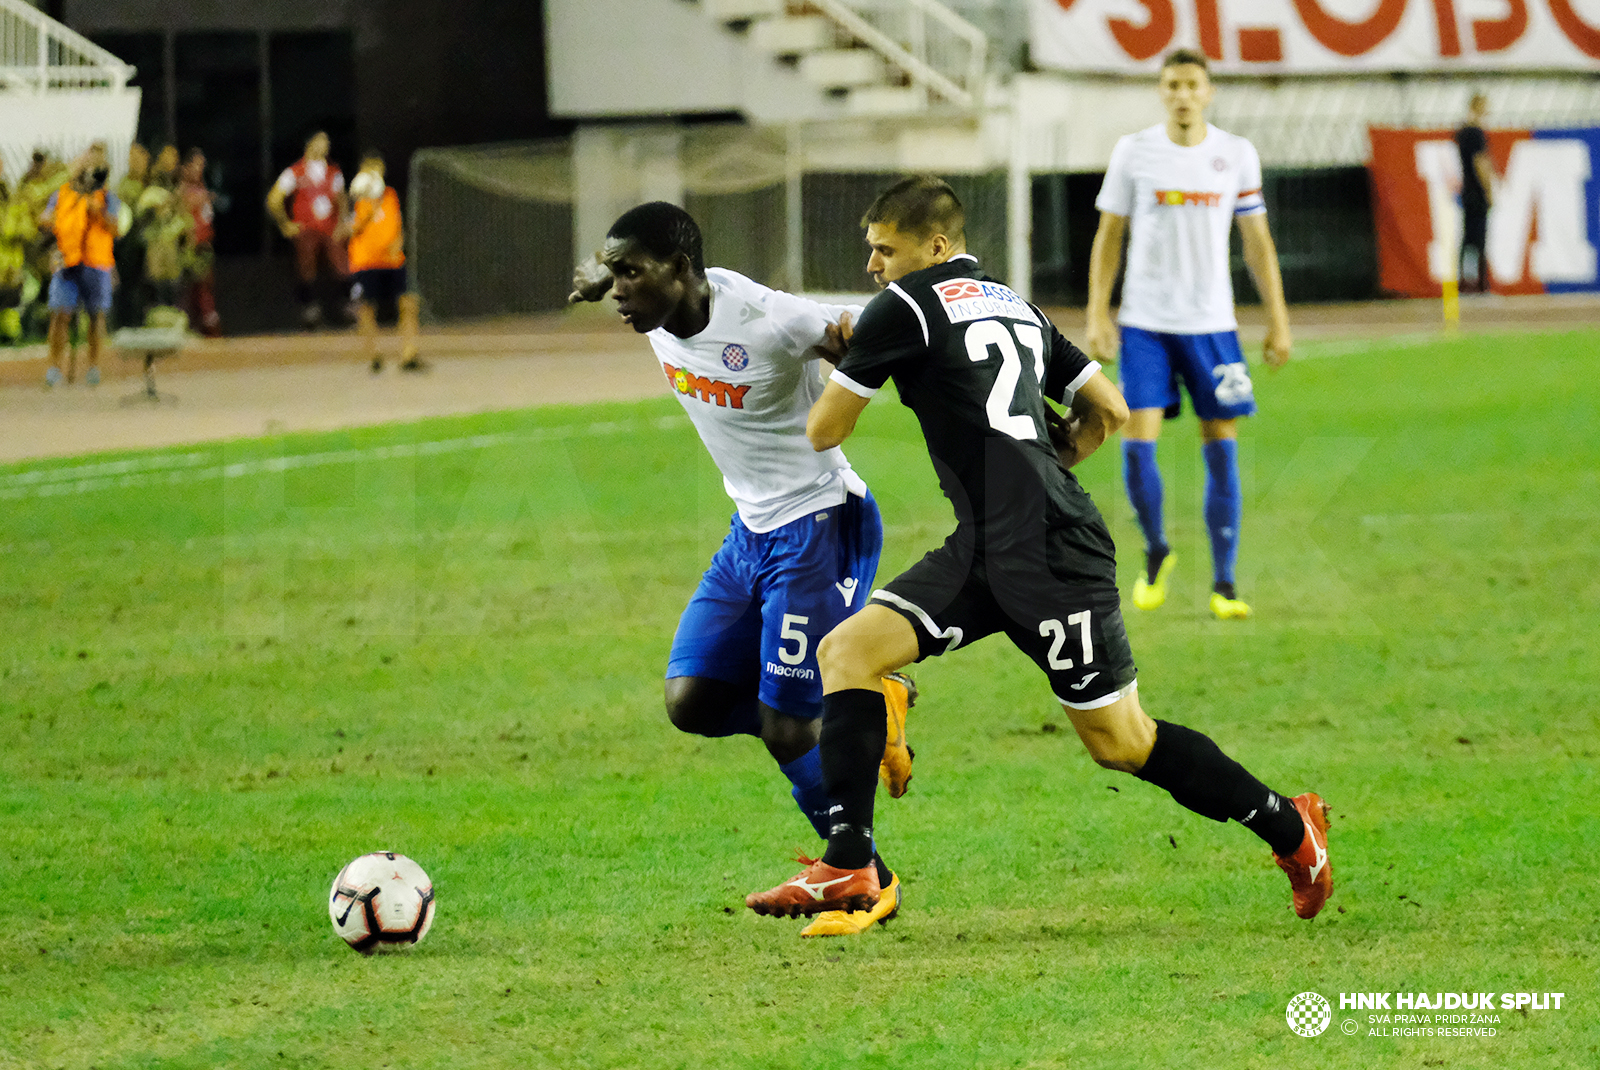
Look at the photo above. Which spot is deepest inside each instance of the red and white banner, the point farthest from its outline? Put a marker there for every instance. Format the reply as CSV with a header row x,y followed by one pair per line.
x,y
1319,36
1542,230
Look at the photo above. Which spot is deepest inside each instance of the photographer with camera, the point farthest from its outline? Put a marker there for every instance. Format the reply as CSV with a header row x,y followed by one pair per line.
x,y
83,216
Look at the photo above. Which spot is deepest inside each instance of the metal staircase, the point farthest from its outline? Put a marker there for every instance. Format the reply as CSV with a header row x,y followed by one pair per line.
x,y
39,54
882,57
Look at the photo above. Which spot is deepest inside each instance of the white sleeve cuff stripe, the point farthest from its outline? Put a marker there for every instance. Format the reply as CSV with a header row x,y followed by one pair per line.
x,y
895,286
953,634
1083,377
851,385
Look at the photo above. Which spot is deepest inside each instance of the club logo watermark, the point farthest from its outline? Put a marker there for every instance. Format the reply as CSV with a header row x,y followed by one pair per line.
x,y
1415,1014
1309,1014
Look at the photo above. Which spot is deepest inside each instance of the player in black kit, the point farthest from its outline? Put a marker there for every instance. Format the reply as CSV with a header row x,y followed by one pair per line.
x,y
1030,556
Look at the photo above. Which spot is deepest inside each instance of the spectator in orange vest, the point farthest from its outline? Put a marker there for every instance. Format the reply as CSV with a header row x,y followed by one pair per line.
x,y
317,186
83,216
378,261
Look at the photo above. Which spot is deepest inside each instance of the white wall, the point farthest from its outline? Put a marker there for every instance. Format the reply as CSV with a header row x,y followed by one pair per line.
x,y
615,168
1072,123
66,123
614,58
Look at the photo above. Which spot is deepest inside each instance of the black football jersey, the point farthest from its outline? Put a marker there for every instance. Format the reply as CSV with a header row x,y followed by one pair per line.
x,y
974,361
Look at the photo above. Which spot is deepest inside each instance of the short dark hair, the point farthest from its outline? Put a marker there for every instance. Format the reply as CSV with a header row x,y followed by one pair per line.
x,y
1181,57
664,231
921,206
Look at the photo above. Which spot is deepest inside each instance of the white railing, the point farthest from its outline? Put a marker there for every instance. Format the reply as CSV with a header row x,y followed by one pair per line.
x,y
37,53
935,47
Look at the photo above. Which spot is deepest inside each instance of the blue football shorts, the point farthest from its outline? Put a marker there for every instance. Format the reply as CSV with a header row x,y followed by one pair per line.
x,y
1211,366
768,599
80,285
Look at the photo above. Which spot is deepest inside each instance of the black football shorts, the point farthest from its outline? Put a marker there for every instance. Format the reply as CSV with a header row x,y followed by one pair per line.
x,y
954,597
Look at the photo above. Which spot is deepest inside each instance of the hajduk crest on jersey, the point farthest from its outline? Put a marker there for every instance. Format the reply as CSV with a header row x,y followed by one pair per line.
x,y
965,300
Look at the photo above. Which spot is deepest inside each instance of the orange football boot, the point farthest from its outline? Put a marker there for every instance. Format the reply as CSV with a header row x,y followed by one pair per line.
x,y
899,695
852,923
819,887
1310,872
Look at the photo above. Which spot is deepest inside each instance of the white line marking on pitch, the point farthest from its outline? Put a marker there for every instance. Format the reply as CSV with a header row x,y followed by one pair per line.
x,y
172,469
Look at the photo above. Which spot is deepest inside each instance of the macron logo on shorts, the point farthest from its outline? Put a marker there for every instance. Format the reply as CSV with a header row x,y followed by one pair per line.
x,y
847,591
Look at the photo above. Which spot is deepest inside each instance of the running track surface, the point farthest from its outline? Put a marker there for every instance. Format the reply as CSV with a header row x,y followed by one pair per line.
x,y
246,387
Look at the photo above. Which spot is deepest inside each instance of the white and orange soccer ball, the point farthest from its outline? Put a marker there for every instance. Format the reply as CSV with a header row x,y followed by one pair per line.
x,y
381,899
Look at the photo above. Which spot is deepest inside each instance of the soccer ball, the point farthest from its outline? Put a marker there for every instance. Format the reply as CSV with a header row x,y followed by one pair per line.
x,y
381,898
366,186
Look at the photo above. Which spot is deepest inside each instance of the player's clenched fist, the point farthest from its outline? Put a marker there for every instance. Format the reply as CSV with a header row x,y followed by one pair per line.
x,y
590,281
1102,338
1275,350
836,339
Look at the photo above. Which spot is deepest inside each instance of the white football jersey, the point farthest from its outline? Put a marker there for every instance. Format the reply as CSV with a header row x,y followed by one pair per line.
x,y
747,382
1180,202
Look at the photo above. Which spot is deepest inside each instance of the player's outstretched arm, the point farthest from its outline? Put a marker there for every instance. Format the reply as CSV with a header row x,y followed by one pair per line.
x,y
1261,258
833,417
1098,409
1105,260
591,280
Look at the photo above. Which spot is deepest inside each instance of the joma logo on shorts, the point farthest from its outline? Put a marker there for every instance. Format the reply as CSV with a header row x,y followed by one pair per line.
x,y
724,394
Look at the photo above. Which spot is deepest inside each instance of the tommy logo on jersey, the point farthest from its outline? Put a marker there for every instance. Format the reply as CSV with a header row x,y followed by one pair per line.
x,y
1178,197
726,395
964,300
735,357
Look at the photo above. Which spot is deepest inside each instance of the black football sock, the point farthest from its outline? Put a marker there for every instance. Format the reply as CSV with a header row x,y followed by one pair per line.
x,y
854,731
1225,589
884,876
1199,776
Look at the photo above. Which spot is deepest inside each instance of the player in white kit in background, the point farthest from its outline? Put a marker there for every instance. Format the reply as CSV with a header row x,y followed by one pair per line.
x,y
1177,188
803,544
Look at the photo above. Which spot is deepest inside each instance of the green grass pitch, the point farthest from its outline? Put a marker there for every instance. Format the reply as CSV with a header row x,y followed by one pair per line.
x,y
226,670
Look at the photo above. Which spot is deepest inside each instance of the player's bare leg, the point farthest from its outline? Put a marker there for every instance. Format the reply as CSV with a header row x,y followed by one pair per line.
x,y
409,306
1145,492
853,658
97,337
367,328
1119,736
1144,424
60,341
865,648
1200,777
1224,508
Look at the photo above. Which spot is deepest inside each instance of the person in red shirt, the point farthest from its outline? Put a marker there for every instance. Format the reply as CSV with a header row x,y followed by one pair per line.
x,y
378,260
317,186
199,299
